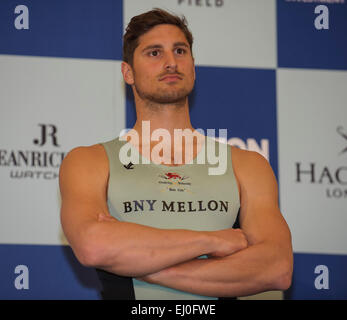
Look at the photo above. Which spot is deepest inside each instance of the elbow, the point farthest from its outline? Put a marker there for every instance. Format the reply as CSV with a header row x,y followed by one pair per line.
x,y
97,257
97,253
90,250
88,256
284,275
86,253
284,281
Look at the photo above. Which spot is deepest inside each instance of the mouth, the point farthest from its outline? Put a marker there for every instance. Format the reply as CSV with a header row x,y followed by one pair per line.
x,y
170,78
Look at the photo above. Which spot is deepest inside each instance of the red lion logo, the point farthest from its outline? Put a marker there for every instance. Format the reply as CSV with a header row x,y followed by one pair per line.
x,y
171,175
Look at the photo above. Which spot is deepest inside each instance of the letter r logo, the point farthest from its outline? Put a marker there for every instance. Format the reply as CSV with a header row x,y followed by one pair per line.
x,y
47,130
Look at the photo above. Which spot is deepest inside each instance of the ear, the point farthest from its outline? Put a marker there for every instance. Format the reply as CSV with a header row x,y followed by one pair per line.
x,y
128,74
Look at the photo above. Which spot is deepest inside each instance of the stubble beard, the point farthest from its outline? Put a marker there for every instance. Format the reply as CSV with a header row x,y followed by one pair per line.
x,y
176,97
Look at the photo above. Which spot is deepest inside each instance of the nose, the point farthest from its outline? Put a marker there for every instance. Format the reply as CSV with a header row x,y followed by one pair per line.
x,y
170,62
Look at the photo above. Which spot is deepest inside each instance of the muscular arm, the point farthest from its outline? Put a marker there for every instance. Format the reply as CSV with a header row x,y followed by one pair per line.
x,y
123,248
266,264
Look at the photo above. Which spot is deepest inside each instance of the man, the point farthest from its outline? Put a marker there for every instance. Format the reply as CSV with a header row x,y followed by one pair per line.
x,y
163,230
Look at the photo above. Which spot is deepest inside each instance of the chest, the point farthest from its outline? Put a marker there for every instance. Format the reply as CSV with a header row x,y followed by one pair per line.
x,y
173,197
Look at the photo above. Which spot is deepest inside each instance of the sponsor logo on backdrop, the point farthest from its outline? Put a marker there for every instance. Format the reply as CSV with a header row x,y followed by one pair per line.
x,y
322,19
322,280
38,162
22,280
332,179
343,134
201,3
22,19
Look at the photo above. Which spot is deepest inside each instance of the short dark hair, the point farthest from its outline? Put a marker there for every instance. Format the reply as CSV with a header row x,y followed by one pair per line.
x,y
142,23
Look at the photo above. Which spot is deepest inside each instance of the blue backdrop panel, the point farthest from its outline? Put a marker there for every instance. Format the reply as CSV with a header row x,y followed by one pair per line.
x,y
301,45
303,286
222,99
76,29
54,273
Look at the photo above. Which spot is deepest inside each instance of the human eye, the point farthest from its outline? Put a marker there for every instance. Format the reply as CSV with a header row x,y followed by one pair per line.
x,y
153,53
180,51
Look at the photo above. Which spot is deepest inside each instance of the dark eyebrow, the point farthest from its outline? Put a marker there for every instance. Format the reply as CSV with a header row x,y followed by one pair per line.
x,y
159,46
153,46
180,44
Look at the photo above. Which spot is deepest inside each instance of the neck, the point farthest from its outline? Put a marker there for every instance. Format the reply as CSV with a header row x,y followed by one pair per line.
x,y
154,118
162,116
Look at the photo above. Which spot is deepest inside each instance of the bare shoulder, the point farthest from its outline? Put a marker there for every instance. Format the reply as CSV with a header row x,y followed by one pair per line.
x,y
86,154
251,168
91,156
85,164
246,157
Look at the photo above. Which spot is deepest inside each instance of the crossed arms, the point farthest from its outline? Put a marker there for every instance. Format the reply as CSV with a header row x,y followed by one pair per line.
x,y
255,258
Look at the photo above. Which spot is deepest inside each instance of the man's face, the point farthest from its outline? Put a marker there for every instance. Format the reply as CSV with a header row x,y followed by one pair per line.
x,y
163,66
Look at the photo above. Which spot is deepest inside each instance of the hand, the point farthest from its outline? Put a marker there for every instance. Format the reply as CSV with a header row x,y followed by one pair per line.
x,y
228,241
